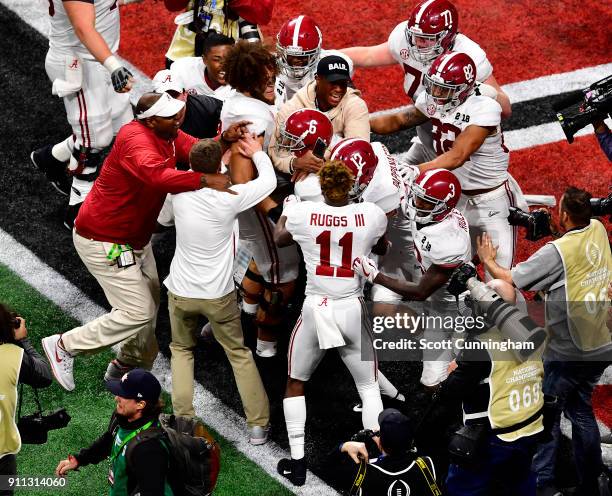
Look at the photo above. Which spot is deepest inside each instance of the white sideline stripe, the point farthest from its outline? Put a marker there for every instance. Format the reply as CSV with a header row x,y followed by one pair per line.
x,y
540,87
215,413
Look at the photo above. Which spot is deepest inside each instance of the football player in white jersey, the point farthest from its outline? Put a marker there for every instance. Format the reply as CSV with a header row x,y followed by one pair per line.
x,y
441,243
376,177
334,315
83,38
468,140
205,75
270,279
298,44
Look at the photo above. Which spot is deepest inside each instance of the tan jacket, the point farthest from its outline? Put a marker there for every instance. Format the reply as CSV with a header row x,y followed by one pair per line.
x,y
350,119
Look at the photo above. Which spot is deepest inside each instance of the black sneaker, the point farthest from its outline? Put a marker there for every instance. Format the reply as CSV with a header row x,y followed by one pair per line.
x,y
116,370
53,169
294,470
70,215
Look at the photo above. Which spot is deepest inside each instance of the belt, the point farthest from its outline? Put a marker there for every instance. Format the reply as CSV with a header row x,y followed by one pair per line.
x,y
482,191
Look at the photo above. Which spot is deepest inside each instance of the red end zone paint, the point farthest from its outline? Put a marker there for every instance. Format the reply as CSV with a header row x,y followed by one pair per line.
x,y
602,404
550,169
524,40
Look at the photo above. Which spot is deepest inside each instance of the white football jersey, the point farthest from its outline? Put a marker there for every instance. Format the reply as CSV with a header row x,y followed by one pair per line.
x,y
331,238
414,70
63,38
487,166
189,73
239,107
385,188
287,86
446,244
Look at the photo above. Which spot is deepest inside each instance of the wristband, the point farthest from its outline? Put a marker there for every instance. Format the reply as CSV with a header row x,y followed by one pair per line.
x,y
203,181
112,64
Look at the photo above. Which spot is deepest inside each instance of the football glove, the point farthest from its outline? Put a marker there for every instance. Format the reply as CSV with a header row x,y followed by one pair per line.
x,y
120,78
365,267
408,173
486,90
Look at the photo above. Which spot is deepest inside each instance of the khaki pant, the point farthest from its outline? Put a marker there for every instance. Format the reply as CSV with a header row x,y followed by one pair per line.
x,y
133,293
224,317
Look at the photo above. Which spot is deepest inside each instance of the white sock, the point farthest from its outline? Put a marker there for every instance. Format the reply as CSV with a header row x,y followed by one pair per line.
x,y
266,349
295,420
63,150
372,405
250,308
387,388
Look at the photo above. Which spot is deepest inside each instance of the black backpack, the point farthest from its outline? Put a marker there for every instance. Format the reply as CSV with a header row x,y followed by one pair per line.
x,y
194,455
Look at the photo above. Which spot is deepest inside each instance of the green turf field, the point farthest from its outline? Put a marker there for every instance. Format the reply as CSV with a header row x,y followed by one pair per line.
x,y
91,406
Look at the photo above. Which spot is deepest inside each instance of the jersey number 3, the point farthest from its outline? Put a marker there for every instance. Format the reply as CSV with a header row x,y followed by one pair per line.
x,y
324,268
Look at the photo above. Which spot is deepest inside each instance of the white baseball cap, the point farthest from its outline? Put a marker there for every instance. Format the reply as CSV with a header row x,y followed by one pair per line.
x,y
164,81
166,106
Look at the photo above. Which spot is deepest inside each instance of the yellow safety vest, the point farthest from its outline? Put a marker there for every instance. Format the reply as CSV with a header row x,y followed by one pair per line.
x,y
183,41
10,360
587,261
515,390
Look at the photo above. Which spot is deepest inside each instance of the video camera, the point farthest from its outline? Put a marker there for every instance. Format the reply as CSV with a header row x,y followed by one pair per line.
x,y
592,104
34,428
601,207
537,222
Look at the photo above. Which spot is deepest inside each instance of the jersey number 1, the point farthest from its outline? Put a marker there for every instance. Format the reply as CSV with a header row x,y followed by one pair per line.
x,y
324,268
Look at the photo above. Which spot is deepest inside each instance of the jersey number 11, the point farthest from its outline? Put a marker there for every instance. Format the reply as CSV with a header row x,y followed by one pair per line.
x,y
324,268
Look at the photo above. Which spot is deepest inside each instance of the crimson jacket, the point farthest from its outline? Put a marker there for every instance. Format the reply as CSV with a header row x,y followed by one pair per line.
x,y
127,197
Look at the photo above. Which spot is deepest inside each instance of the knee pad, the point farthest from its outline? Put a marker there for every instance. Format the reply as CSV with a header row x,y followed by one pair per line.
x,y
273,304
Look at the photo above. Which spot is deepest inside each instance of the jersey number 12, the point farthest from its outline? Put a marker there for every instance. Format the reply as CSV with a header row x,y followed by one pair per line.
x,y
324,268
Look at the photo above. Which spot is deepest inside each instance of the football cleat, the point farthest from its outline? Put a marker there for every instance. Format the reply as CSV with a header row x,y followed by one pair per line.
x,y
60,360
294,470
52,168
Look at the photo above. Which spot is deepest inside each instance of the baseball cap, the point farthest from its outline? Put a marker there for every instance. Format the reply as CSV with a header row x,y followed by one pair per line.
x,y
137,384
334,68
166,106
395,431
163,81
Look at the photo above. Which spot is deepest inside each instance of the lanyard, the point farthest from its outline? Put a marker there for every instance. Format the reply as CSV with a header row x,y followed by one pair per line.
x,y
116,250
129,437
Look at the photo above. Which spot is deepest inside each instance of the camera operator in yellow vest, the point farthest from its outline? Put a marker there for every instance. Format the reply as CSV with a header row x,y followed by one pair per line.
x,y
574,272
503,403
19,363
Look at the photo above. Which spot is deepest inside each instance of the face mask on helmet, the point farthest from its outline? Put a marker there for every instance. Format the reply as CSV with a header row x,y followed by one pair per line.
x,y
424,209
290,144
424,47
444,97
297,63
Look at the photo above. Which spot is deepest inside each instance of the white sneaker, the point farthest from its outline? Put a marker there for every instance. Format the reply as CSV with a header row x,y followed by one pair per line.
x,y
258,435
60,360
207,332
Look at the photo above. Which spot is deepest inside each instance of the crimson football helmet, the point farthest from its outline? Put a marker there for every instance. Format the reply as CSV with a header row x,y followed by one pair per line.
x,y
299,38
301,131
449,81
438,188
358,155
431,29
